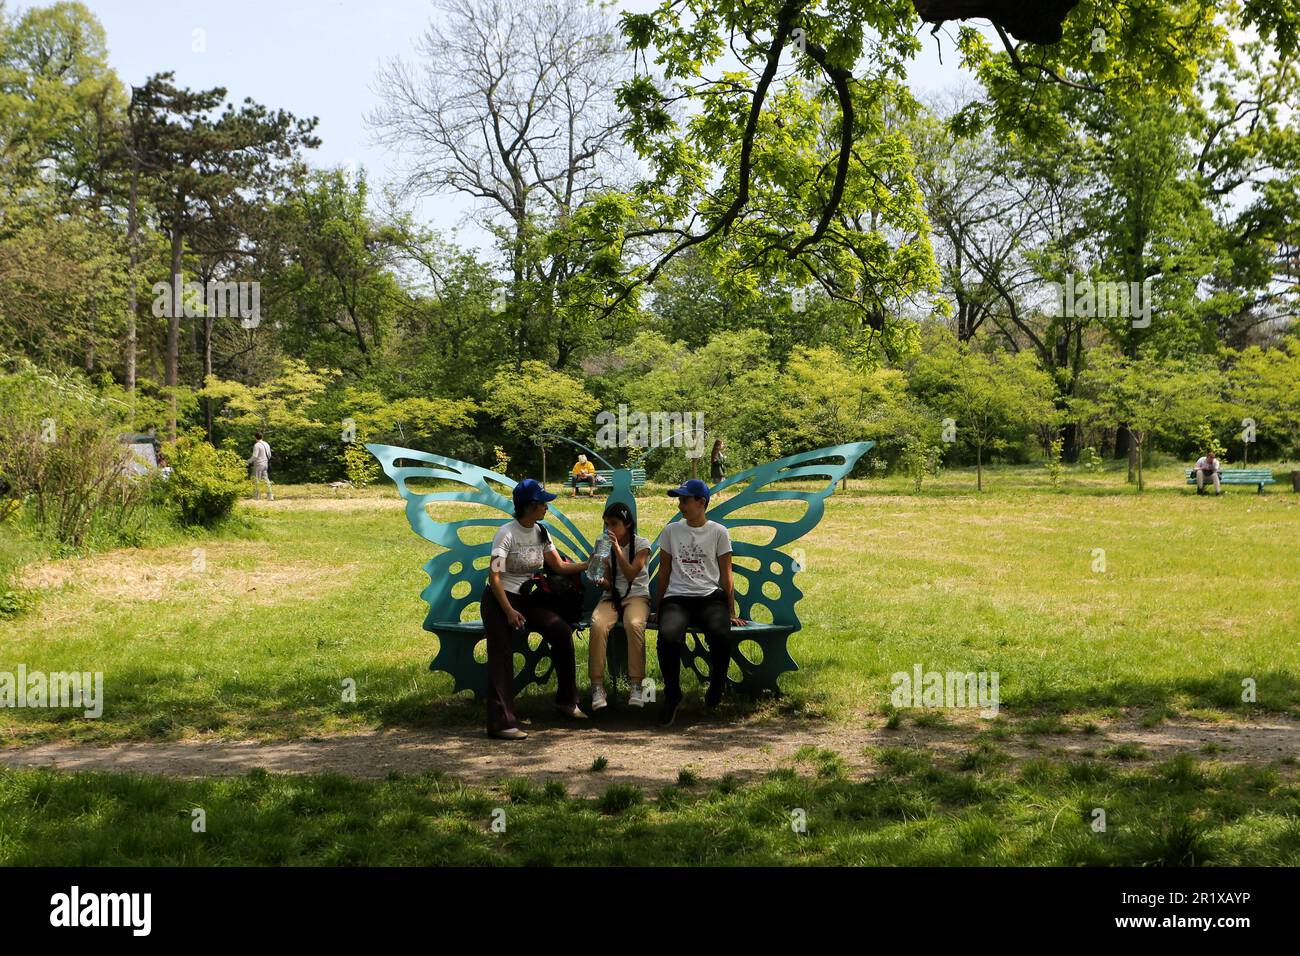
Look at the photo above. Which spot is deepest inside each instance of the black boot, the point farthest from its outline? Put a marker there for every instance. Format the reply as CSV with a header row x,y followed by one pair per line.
x,y
719,660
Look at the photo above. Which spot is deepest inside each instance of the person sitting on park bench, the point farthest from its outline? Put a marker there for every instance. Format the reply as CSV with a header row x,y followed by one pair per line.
x,y
627,597
695,591
519,548
584,472
1208,467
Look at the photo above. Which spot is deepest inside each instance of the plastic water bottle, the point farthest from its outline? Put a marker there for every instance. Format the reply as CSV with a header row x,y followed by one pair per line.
x,y
596,569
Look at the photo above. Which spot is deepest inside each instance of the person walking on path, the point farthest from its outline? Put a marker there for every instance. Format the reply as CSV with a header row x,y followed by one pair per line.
x,y
260,463
718,462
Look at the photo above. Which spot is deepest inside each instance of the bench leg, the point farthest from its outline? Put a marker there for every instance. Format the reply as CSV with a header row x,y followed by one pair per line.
x,y
456,657
756,676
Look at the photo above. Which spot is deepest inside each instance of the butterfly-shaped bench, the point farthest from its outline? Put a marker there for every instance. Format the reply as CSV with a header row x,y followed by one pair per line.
x,y
764,575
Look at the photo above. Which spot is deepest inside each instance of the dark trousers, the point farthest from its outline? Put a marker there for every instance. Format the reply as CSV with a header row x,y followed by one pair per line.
x,y
709,614
501,658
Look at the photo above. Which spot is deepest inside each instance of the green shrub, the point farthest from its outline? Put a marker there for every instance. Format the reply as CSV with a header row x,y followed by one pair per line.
x,y
1054,462
205,481
361,467
919,459
60,453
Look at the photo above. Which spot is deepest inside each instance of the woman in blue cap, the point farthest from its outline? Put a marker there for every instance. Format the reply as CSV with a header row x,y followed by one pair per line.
x,y
520,548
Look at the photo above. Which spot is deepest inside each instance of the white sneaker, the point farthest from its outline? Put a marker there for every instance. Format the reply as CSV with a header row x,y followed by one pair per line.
x,y
635,699
598,699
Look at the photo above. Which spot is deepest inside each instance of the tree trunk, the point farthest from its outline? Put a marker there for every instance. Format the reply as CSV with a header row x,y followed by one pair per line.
x,y
979,468
1124,442
132,253
207,368
174,326
1121,441
1070,442
90,342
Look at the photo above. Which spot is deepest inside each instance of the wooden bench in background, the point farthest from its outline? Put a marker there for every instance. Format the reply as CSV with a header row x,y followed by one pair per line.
x,y
1237,476
605,478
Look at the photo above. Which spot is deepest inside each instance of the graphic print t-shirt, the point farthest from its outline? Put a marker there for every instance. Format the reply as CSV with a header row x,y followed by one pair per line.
x,y
523,549
695,553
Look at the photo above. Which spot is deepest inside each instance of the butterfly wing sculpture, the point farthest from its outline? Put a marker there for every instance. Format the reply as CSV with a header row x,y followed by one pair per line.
x,y
764,574
457,575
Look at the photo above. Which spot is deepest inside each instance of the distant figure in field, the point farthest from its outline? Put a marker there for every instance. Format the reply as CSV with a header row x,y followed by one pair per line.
x,y
260,463
584,472
1208,467
718,462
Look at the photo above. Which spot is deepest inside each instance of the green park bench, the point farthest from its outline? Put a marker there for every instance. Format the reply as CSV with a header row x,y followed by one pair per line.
x,y
765,576
1238,476
605,478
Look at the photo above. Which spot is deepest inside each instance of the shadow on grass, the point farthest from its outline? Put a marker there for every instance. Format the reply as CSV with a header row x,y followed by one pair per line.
x,y
917,811
1274,691
146,703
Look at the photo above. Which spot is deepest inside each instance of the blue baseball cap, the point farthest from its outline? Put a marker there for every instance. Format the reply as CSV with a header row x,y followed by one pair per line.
x,y
691,488
529,491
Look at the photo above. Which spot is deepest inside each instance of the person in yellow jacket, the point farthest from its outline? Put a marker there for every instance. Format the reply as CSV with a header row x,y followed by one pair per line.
x,y
584,472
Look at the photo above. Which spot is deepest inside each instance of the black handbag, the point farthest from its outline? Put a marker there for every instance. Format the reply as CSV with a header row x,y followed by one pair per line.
x,y
558,592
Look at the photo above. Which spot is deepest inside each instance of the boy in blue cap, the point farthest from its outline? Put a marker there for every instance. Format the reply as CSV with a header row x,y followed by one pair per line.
x,y
696,591
519,548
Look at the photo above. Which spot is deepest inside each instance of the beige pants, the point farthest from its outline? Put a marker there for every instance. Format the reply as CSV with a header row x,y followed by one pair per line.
x,y
635,612
259,476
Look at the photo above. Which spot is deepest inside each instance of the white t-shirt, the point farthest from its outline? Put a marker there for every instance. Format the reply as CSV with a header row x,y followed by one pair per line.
x,y
1203,464
641,583
523,550
261,454
695,553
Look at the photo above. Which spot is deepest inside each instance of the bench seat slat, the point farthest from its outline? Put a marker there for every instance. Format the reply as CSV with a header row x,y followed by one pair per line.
x,y
475,628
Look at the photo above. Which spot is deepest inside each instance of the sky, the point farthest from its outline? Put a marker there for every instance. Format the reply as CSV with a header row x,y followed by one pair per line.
x,y
319,58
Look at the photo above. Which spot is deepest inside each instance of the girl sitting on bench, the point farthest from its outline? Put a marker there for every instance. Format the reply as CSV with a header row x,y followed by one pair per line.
x,y
627,596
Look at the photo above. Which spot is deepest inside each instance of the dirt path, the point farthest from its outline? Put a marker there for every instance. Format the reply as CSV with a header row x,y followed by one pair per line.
x,y
640,754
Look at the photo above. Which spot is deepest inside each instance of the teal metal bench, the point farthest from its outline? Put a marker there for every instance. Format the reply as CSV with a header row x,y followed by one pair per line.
x,y
1238,476
605,478
764,575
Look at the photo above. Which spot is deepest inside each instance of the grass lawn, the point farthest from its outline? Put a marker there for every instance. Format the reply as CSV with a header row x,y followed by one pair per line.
x,y
973,810
251,634
254,636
